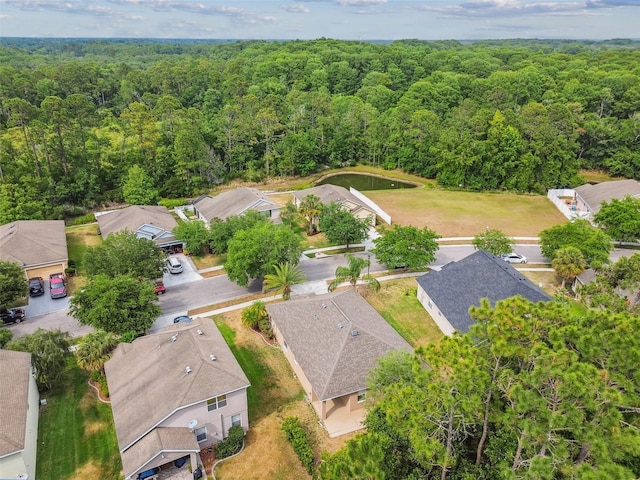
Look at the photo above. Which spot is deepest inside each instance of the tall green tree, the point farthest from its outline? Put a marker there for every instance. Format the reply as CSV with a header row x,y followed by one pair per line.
x,y
568,263
310,208
94,349
118,304
594,244
195,235
138,188
341,227
493,241
284,276
123,253
620,218
253,253
409,247
13,285
49,350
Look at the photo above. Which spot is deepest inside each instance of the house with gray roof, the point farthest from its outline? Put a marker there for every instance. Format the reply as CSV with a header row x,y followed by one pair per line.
x,y
174,393
589,197
328,193
19,408
449,293
153,222
235,202
332,341
38,246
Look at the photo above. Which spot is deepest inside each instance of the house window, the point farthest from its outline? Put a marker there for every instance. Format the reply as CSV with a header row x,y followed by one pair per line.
x,y
201,434
236,420
216,402
362,396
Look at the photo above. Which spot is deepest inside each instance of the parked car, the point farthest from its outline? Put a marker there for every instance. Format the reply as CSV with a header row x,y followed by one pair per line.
x,y
148,473
11,315
182,319
514,258
57,285
174,265
160,288
36,286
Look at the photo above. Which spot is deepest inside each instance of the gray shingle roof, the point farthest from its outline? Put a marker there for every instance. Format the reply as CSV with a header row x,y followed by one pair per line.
x,y
461,284
328,193
140,219
594,195
33,242
234,202
319,332
15,372
147,378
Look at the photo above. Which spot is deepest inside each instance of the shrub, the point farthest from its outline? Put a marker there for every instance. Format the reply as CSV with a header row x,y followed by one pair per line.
x,y
253,315
299,439
232,444
5,337
128,337
104,388
172,203
81,220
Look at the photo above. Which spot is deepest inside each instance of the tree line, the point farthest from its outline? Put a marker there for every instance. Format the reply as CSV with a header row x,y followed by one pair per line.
x,y
76,117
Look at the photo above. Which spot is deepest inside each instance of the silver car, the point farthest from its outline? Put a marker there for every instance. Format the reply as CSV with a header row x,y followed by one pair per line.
x,y
514,258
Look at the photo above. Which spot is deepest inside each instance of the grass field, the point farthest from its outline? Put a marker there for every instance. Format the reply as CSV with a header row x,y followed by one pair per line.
x,y
76,436
79,239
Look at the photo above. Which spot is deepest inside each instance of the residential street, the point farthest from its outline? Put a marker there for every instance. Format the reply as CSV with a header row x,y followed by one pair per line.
x,y
190,290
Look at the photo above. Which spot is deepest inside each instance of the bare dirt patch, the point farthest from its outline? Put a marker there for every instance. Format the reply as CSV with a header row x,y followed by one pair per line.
x,y
88,470
91,428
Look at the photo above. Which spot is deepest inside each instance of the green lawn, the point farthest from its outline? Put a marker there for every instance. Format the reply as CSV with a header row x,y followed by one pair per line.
x,y
76,436
397,303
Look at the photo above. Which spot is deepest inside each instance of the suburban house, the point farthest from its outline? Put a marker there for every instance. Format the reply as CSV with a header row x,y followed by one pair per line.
x,y
174,393
333,193
585,201
448,294
332,341
38,246
19,408
235,202
152,222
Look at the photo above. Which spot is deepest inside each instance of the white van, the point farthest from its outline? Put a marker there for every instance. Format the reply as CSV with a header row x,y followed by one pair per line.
x,y
174,265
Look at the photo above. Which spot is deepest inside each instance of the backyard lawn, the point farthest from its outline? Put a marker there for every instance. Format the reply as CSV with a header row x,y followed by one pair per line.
x,y
76,436
80,238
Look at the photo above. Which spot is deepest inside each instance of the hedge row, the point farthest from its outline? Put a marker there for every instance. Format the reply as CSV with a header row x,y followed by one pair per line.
x,y
299,439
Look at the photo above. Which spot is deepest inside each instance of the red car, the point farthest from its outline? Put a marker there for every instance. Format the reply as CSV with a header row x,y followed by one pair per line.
x,y
57,285
160,288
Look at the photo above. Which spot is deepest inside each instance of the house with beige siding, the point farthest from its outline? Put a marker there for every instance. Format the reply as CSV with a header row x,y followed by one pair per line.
x,y
334,193
448,294
235,202
19,409
332,342
174,393
38,246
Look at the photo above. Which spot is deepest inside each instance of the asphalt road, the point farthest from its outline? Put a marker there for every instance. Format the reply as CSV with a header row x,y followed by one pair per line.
x,y
189,290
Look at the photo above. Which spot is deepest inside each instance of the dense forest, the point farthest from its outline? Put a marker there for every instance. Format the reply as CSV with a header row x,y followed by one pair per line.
x,y
77,116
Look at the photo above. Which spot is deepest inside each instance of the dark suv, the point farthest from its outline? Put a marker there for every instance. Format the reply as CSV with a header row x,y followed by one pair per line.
x,y
11,315
36,286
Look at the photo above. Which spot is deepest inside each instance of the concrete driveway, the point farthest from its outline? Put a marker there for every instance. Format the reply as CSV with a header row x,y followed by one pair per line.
x,y
189,273
45,304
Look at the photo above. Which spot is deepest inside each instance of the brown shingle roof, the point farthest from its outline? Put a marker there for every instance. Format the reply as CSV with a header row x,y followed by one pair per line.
x,y
148,382
234,202
33,242
594,195
333,193
15,372
137,216
336,339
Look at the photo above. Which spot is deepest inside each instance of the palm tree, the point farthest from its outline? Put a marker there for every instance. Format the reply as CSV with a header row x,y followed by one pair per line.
x,y
352,273
310,207
285,276
568,263
95,349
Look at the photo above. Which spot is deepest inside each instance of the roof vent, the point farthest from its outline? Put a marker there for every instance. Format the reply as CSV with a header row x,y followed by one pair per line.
x,y
324,305
187,369
200,332
213,357
340,326
354,333
174,337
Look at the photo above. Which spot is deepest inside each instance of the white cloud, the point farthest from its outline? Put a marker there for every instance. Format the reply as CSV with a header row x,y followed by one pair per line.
x,y
295,8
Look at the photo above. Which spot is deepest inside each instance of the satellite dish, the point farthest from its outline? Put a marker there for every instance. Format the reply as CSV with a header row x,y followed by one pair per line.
x,y
192,424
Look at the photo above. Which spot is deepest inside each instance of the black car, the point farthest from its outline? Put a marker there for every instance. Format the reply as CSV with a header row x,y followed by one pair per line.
x,y
11,315
36,286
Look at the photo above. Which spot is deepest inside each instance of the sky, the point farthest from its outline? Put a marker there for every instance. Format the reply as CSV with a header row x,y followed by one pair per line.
x,y
311,19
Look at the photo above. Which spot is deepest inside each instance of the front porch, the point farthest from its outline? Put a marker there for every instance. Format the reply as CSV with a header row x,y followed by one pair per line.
x,y
339,420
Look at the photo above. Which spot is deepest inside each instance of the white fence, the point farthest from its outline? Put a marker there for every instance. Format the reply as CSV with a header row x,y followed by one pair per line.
x,y
371,204
555,194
